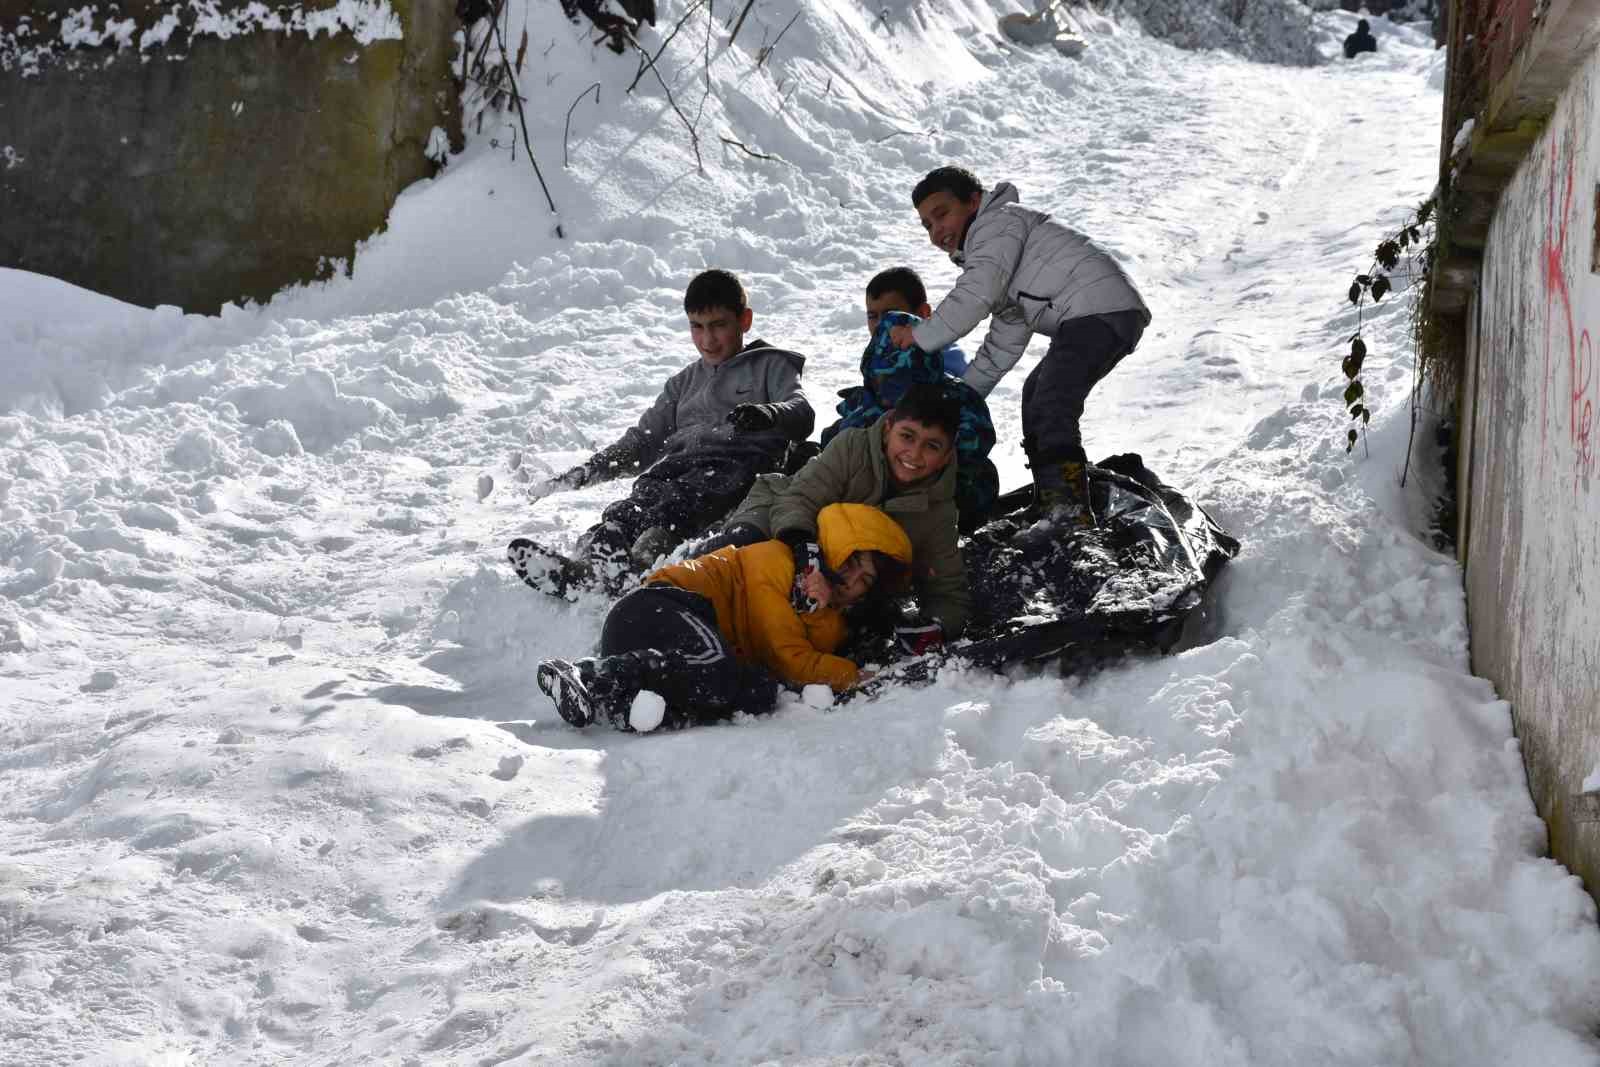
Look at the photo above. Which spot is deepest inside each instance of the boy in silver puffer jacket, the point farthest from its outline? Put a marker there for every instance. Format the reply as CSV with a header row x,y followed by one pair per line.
x,y
1033,275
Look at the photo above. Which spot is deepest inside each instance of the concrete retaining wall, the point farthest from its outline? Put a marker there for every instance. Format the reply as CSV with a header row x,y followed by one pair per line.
x,y
201,169
1532,549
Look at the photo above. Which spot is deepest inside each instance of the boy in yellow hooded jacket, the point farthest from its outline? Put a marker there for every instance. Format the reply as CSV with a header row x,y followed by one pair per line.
x,y
718,634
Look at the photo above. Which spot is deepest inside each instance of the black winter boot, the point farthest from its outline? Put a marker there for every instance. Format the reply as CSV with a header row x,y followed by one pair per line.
x,y
608,557
1061,489
618,680
546,569
569,685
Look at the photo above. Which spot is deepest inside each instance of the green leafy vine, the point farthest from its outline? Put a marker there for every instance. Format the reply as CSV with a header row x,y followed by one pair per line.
x,y
1406,255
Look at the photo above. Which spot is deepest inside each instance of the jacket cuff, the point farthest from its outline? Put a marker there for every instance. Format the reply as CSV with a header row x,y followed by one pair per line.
x,y
932,335
981,380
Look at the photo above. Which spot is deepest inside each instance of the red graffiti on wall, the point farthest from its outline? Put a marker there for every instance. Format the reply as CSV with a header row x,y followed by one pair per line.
x,y
1582,410
1580,352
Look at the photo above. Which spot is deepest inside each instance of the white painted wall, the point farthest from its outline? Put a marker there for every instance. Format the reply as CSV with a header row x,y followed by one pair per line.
x,y
1533,528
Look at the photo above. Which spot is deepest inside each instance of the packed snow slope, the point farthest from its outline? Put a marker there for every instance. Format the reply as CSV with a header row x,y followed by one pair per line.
x,y
277,787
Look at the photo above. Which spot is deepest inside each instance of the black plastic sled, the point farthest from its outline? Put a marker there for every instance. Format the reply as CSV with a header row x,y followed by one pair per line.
x,y
1049,594
1045,591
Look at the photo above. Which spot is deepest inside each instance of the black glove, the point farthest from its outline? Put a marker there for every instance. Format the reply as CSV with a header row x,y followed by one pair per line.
x,y
575,478
753,418
920,638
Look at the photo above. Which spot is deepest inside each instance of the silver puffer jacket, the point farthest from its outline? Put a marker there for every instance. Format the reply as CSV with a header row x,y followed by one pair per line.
x,y
1031,274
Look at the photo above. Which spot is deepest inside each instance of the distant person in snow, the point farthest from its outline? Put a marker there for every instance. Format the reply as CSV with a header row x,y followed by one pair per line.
x,y
1032,274
718,634
904,463
1360,41
730,415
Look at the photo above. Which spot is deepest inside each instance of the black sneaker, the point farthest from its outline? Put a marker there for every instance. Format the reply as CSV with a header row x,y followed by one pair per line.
x,y
563,682
545,569
607,563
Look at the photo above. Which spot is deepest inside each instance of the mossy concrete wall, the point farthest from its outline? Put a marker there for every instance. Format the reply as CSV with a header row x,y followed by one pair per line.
x,y
1531,466
205,170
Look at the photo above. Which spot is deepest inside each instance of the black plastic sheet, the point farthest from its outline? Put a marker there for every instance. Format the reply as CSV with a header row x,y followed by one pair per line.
x,y
1047,590
1051,594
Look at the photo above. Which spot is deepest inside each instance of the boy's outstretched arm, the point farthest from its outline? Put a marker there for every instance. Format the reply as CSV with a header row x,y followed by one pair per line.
x,y
986,272
636,449
1009,334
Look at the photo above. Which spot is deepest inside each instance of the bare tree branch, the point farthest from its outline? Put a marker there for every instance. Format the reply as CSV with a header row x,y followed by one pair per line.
x,y
527,142
711,21
767,50
750,151
566,161
738,25
897,133
689,11
694,138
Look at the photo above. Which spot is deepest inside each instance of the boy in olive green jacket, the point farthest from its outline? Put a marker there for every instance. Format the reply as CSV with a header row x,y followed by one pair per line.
x,y
905,464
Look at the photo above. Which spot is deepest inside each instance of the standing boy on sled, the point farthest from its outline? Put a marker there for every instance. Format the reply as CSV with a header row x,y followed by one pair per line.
x,y
1032,274
718,423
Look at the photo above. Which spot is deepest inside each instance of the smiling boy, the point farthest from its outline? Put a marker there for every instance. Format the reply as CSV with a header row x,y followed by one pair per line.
x,y
1032,275
903,463
717,423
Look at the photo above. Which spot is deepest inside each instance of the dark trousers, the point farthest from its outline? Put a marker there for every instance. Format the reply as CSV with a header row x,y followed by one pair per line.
x,y
665,639
1083,351
684,494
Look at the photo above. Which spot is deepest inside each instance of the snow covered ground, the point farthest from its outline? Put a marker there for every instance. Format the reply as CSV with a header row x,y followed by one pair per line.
x,y
277,786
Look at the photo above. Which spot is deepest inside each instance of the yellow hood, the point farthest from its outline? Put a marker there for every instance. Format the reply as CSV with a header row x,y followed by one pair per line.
x,y
846,528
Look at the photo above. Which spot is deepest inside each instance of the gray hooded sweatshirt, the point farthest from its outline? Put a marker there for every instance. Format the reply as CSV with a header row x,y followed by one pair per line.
x,y
692,411
1031,274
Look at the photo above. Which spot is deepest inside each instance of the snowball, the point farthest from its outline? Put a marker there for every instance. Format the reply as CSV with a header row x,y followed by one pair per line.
x,y
647,711
817,696
485,485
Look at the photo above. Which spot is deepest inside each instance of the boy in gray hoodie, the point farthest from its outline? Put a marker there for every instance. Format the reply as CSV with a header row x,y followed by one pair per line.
x,y
1032,275
718,423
